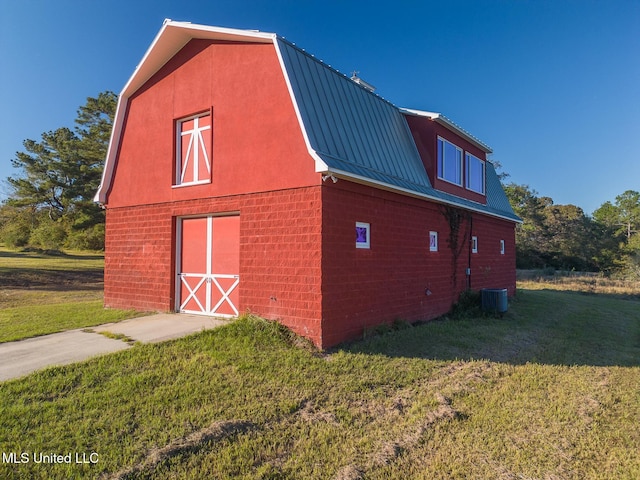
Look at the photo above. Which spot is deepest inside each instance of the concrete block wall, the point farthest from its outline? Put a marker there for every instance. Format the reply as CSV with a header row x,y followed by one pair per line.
x,y
399,277
299,264
490,268
280,254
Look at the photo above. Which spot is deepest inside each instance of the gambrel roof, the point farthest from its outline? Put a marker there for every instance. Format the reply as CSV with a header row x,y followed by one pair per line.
x,y
349,131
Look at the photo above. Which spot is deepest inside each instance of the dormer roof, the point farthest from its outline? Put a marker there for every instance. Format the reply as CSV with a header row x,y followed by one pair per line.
x,y
450,125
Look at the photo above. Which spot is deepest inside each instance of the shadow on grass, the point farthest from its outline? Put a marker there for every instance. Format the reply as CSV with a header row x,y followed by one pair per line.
x,y
29,253
541,326
52,279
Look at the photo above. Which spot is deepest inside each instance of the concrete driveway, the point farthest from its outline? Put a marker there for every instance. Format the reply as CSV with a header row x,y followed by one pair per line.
x,y
26,356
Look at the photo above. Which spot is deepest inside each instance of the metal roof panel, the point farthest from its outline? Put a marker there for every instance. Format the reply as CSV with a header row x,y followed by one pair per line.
x,y
349,125
361,136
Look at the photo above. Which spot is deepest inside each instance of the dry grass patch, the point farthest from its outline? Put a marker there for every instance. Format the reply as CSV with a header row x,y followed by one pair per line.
x,y
589,283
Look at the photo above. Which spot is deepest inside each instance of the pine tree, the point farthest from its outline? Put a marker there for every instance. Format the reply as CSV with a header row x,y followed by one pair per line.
x,y
59,175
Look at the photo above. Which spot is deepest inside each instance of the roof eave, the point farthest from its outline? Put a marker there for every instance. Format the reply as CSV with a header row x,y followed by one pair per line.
x,y
411,193
445,122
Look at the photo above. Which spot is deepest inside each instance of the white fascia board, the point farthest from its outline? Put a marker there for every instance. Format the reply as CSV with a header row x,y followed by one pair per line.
x,y
410,193
320,165
444,121
175,35
169,40
114,140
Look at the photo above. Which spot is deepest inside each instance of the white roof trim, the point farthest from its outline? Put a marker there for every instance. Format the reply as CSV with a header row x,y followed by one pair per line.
x,y
411,193
442,120
321,166
169,41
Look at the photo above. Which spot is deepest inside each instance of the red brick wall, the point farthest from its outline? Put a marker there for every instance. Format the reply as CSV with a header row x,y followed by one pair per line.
x,y
280,258
489,268
280,254
139,256
363,288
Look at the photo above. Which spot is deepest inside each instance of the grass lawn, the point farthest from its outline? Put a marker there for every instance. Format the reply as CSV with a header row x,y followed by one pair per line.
x,y
41,294
549,391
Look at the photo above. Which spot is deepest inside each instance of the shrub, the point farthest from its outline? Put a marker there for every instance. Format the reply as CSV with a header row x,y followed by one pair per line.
x,y
49,234
468,306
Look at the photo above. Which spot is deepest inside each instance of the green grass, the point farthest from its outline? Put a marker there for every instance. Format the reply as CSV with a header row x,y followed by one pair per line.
x,y
42,294
23,322
548,391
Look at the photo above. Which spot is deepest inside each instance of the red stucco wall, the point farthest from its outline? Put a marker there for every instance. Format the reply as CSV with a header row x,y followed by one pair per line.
x,y
257,141
260,168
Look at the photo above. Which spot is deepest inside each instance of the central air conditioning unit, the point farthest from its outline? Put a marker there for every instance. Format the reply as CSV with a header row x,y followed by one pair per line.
x,y
494,299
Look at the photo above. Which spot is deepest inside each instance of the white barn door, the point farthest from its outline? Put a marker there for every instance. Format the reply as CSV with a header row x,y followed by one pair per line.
x,y
209,265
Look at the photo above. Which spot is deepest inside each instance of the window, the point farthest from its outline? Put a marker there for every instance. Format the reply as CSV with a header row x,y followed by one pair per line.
x,y
474,244
475,173
193,150
363,231
433,241
449,162
501,247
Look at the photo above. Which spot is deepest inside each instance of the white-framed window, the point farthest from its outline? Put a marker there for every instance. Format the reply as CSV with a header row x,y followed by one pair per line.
x,y
193,150
363,235
474,244
433,241
449,162
501,247
474,173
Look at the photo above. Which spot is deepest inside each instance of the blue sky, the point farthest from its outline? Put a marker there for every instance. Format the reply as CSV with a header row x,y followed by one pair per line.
x,y
552,86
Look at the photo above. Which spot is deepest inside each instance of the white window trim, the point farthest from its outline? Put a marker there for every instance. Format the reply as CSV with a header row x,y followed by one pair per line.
x,y
180,168
367,227
474,244
438,163
433,248
466,176
501,247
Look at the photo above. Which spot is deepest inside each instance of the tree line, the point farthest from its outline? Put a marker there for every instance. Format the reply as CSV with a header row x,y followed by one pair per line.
x,y
50,205
564,237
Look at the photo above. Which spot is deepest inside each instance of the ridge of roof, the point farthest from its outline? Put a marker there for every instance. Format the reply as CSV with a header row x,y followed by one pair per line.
x,y
355,134
335,70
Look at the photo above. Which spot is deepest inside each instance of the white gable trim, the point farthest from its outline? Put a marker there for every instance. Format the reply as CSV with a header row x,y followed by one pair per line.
x,y
169,41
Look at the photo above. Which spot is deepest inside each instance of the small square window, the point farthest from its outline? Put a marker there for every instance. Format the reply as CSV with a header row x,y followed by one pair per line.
x,y
474,244
501,247
433,241
363,231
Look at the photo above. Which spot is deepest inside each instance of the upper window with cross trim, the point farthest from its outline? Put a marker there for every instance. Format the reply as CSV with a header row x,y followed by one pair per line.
x,y
193,150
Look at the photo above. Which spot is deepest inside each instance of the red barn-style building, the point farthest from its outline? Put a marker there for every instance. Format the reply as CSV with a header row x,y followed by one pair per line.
x,y
243,174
